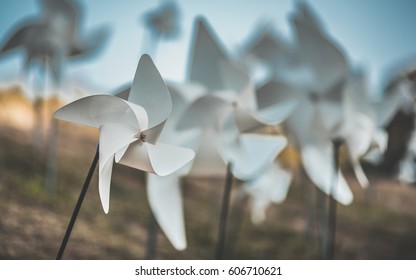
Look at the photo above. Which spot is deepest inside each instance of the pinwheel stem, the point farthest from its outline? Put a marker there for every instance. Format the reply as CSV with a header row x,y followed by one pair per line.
x,y
237,217
152,231
322,222
309,212
51,172
222,229
332,213
40,92
78,205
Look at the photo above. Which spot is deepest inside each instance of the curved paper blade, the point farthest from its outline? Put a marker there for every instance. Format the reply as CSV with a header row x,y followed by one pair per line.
x,y
208,162
267,46
67,9
359,173
160,159
360,136
253,154
167,159
204,112
206,58
150,91
21,37
97,110
165,199
380,140
246,120
300,121
274,93
91,44
319,165
113,137
270,187
331,116
237,80
189,92
326,59
104,182
308,17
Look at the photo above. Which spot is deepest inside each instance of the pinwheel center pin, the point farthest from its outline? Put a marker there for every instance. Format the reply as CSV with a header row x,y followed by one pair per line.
x,y
141,136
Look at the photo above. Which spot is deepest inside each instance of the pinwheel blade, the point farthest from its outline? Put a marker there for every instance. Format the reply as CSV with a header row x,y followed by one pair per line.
x,y
270,187
20,37
274,93
165,199
167,159
325,58
113,138
150,91
360,136
89,45
160,159
247,121
207,57
206,111
359,173
208,161
253,154
96,110
319,165
104,181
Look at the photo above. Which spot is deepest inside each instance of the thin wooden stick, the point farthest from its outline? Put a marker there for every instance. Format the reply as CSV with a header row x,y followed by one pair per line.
x,y
222,229
309,213
332,213
78,205
152,231
321,215
237,217
51,166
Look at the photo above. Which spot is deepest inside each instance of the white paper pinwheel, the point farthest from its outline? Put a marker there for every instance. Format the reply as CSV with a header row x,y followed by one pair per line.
x,y
53,36
225,108
363,124
164,192
129,132
163,21
400,90
319,96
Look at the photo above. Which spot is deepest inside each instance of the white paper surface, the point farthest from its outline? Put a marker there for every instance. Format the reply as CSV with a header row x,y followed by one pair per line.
x,y
270,187
165,199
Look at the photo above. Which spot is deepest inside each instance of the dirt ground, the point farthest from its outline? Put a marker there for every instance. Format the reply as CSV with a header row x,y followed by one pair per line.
x,y
379,224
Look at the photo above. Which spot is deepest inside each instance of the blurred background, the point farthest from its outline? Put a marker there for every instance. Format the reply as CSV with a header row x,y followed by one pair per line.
x,y
107,38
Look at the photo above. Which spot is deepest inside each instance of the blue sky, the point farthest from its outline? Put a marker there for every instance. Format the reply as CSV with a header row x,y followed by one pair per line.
x,y
375,33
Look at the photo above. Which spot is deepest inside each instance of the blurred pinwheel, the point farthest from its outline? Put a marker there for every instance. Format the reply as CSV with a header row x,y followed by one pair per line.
x,y
202,135
129,132
400,89
318,92
164,192
224,108
53,36
363,127
162,23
